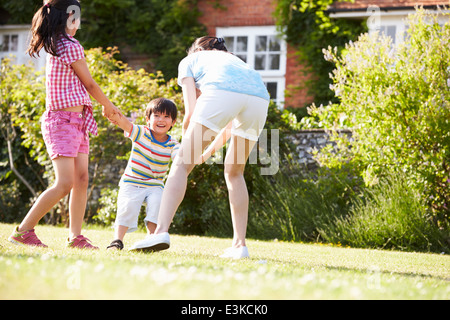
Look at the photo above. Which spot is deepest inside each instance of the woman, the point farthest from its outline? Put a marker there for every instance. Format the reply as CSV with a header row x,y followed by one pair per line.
x,y
233,103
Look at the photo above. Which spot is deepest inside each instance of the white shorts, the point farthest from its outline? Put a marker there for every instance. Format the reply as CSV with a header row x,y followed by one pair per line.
x,y
216,108
129,202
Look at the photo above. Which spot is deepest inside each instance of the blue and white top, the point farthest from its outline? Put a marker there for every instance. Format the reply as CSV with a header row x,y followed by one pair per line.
x,y
220,70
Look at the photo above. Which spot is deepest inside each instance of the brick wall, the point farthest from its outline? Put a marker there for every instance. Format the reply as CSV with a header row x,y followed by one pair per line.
x,y
234,13
297,93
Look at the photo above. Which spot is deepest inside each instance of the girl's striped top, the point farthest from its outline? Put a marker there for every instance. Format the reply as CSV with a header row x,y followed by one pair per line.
x,y
149,159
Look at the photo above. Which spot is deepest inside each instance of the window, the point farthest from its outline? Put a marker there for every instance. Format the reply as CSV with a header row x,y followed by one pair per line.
x,y
237,45
272,87
10,43
262,49
390,31
268,53
14,40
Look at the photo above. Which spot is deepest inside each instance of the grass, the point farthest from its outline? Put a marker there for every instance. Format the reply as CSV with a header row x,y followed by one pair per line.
x,y
191,269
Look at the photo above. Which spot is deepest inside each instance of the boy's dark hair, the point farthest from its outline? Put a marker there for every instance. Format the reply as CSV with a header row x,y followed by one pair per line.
x,y
208,43
162,105
49,25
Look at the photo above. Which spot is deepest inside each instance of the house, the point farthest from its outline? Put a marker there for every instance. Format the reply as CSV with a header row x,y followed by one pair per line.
x,y
248,27
385,16
250,32
14,41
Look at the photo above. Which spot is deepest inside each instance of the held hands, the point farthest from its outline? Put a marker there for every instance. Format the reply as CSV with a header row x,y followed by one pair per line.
x,y
117,118
112,113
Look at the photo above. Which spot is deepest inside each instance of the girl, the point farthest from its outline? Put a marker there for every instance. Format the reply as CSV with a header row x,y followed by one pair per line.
x,y
234,102
68,119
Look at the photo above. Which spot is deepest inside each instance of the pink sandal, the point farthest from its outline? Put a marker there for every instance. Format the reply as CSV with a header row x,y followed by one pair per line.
x,y
80,242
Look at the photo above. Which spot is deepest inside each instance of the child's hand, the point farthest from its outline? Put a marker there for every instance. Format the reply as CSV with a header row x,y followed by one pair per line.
x,y
115,118
110,111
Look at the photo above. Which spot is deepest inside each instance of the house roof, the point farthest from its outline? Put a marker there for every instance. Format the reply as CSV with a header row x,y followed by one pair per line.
x,y
360,5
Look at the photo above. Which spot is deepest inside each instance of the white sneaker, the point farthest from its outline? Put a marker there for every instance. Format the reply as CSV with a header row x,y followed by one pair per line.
x,y
153,242
236,253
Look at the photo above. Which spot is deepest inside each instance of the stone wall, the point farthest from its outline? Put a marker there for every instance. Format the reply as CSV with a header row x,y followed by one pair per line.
x,y
308,140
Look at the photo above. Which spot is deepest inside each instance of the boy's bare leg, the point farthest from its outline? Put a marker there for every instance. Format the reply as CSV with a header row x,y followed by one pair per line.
x,y
120,232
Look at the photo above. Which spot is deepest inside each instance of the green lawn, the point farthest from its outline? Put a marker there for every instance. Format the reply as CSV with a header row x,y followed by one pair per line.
x,y
191,269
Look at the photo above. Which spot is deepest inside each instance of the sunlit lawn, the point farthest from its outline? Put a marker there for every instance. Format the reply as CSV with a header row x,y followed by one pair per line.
x,y
191,269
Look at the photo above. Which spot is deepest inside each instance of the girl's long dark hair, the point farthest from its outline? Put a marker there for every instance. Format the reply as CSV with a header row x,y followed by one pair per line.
x,y
49,24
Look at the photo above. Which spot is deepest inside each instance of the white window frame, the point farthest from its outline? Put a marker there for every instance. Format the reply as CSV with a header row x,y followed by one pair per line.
x,y
278,76
392,21
388,18
10,43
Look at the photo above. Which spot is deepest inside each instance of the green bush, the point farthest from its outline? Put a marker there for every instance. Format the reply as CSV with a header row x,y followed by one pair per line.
x,y
20,85
396,101
294,204
106,215
389,215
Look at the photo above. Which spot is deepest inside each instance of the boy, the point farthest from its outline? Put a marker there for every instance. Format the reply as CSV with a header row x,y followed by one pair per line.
x,y
142,180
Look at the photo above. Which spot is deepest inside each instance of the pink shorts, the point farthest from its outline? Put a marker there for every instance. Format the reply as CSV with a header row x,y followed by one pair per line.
x,y
64,134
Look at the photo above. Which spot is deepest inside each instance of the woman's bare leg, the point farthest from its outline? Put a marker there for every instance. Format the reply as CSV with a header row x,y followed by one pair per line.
x,y
190,151
237,155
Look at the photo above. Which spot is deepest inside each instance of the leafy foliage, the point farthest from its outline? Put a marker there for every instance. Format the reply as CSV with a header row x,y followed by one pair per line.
x,y
309,29
23,103
162,29
20,11
22,97
387,215
396,101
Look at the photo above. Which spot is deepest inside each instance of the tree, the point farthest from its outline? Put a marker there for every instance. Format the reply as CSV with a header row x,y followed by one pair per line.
x,y
161,29
19,85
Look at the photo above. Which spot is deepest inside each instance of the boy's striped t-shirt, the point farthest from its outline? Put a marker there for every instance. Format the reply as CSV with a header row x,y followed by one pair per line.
x,y
149,159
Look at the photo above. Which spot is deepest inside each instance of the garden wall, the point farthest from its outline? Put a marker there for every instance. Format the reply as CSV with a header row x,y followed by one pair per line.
x,y
308,140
